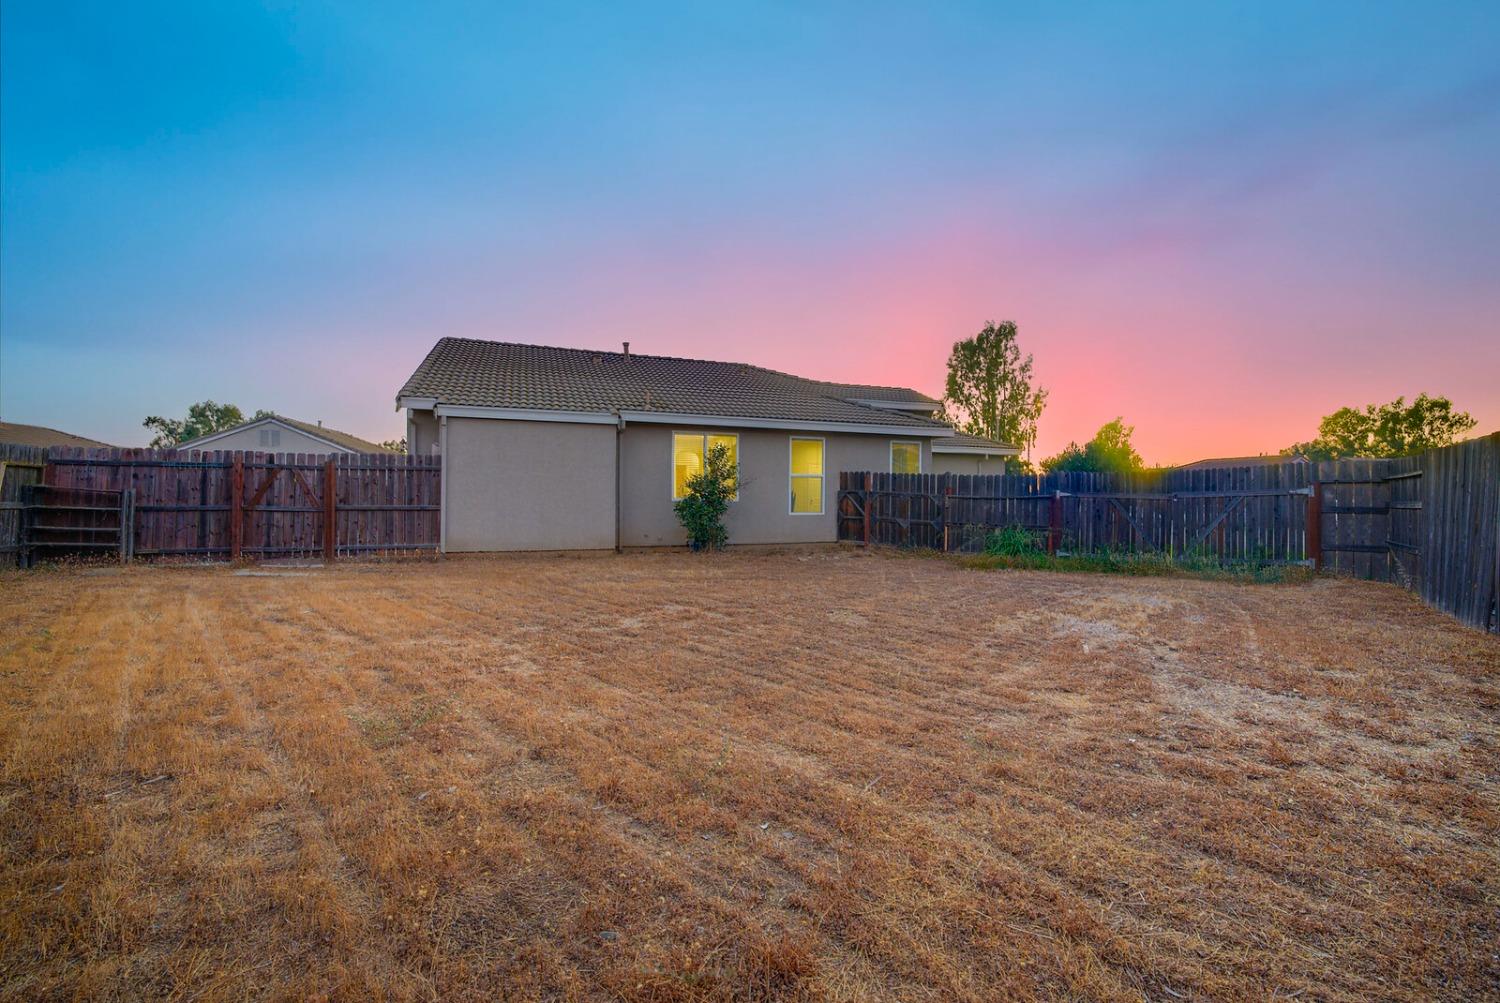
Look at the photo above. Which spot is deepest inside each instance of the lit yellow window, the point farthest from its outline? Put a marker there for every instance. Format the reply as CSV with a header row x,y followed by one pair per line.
x,y
906,458
688,452
807,476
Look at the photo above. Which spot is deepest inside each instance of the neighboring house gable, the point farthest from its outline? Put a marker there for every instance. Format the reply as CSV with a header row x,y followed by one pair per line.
x,y
280,434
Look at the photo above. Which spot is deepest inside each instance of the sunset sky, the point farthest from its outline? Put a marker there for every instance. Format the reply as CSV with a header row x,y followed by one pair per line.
x,y
1219,221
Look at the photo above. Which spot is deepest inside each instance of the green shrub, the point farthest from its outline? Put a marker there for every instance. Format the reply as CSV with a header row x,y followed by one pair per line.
x,y
1011,541
701,510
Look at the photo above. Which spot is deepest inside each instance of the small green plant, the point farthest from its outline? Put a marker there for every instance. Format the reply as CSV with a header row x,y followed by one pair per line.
x,y
1011,541
701,510
1192,565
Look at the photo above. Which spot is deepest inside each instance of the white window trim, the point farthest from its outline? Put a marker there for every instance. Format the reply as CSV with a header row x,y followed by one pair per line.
x,y
905,442
822,475
672,467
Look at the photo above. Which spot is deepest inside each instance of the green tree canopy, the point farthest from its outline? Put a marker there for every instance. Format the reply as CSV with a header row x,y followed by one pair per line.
x,y
1109,451
202,418
1382,430
989,390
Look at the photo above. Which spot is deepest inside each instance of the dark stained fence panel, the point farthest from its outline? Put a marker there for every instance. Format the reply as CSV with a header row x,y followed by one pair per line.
x,y
187,505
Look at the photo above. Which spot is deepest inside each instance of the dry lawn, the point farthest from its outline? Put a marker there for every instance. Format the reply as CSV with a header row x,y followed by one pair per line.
x,y
828,775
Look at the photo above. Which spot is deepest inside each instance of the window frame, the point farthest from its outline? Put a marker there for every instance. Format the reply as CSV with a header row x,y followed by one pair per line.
x,y
905,442
672,456
821,475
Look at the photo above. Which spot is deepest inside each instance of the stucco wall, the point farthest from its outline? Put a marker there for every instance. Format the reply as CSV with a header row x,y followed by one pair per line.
x,y
527,485
421,433
761,513
291,441
957,463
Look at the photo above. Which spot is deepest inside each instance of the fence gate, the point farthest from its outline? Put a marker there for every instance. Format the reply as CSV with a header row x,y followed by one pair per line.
x,y
282,507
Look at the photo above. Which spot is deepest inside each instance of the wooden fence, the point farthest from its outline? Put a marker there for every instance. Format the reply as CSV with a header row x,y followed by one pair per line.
x,y
1445,528
20,467
233,505
1428,522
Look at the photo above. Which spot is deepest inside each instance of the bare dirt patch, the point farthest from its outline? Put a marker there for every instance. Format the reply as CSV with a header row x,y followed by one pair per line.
x,y
838,776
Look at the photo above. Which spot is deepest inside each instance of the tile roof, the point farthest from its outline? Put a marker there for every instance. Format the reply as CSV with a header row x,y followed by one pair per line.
x,y
332,435
40,435
1263,460
344,439
468,372
963,441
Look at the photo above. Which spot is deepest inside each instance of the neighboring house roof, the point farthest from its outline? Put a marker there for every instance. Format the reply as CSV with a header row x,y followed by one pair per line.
x,y
1241,461
40,435
466,373
332,436
960,443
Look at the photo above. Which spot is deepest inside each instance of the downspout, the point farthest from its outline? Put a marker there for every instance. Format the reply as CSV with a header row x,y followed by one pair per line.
x,y
619,434
442,484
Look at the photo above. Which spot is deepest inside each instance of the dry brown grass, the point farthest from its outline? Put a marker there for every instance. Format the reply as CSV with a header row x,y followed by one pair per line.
x,y
826,775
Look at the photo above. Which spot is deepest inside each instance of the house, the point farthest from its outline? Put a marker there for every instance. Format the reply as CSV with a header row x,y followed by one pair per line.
x,y
564,449
39,435
1263,460
279,434
969,454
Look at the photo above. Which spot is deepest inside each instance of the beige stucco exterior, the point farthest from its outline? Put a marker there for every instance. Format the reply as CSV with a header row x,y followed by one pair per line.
x,y
540,485
527,485
961,463
761,515
284,439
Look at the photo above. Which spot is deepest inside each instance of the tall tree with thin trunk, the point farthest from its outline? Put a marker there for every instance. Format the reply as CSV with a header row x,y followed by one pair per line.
x,y
202,418
990,390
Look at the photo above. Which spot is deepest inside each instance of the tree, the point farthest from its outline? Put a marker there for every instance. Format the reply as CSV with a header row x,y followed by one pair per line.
x,y
1109,451
396,445
989,391
709,491
202,418
1394,429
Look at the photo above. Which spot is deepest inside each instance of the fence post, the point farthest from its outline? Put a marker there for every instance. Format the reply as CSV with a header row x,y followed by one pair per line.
x,y
1315,525
236,505
127,530
869,492
330,511
1054,523
947,501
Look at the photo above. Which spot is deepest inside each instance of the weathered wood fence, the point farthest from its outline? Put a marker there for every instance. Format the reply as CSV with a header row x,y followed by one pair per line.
x,y
1428,522
20,467
231,505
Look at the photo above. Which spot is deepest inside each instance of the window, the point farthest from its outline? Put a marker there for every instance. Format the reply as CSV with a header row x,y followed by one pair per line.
x,y
906,457
270,437
807,477
688,451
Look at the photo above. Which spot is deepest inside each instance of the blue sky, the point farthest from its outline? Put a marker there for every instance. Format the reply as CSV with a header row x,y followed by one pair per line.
x,y
1220,221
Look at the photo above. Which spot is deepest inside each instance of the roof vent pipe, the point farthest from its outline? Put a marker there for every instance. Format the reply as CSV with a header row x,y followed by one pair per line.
x,y
627,348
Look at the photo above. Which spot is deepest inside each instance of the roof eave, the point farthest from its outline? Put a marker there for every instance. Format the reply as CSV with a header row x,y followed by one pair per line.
x,y
948,447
